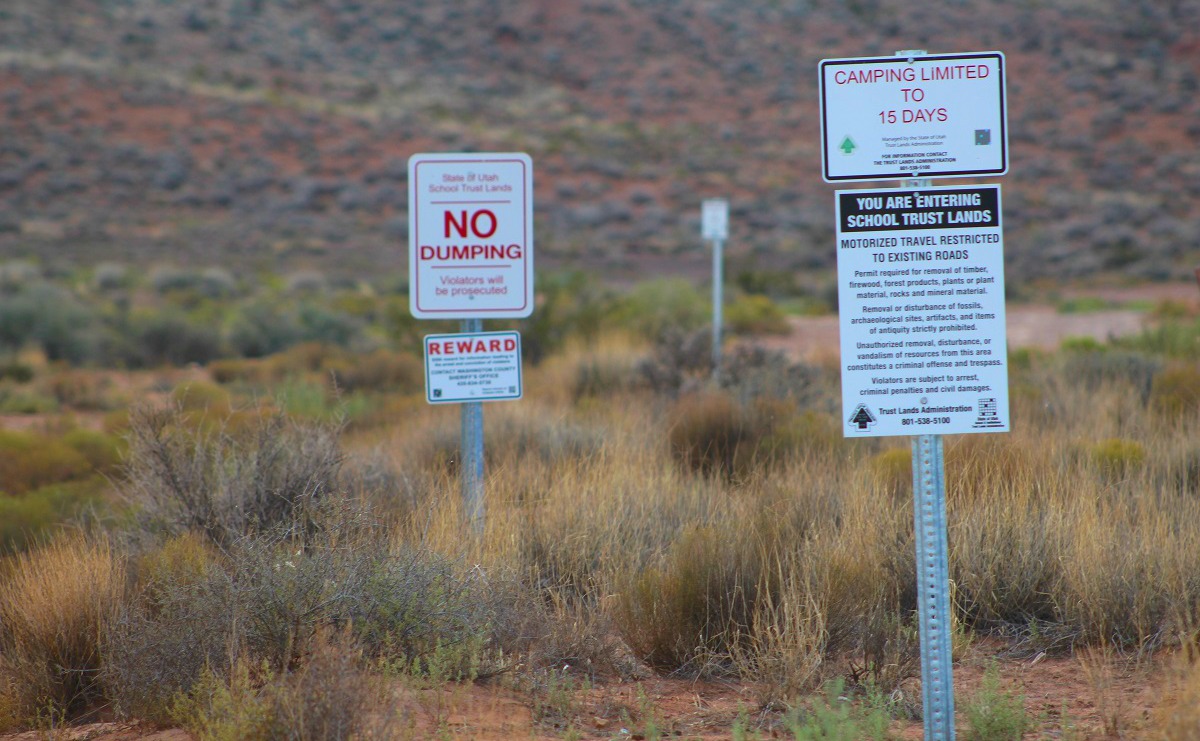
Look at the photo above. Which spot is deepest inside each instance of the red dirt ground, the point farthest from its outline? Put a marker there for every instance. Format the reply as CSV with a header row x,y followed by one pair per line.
x,y
1123,700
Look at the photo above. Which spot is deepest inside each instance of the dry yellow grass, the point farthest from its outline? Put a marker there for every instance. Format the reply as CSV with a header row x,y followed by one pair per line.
x,y
1051,523
54,605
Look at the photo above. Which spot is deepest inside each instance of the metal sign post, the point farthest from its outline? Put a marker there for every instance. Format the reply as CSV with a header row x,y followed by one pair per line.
x,y
933,573
933,586
718,293
714,225
470,226
472,450
920,277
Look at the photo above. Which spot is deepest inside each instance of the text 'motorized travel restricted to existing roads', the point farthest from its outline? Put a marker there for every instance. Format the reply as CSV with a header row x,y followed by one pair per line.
x,y
921,305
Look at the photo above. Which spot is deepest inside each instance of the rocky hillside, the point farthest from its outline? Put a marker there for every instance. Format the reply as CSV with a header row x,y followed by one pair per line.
x,y
275,133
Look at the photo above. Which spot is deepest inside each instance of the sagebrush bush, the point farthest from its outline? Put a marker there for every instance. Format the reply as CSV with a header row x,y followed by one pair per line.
x,y
55,603
1097,367
328,698
225,484
268,596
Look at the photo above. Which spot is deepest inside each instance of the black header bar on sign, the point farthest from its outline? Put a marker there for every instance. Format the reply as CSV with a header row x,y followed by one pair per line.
x,y
905,210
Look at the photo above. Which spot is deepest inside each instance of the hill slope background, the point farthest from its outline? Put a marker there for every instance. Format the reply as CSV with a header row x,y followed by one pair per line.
x,y
261,133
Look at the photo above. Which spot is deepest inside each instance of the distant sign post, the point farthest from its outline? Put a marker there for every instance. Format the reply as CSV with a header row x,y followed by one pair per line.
x,y
470,257
714,225
921,286
913,116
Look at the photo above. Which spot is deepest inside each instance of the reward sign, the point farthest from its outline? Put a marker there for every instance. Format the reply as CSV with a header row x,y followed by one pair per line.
x,y
939,115
921,307
470,236
481,366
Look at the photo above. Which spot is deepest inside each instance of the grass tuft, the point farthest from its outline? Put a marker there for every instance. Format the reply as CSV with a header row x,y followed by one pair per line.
x,y
55,603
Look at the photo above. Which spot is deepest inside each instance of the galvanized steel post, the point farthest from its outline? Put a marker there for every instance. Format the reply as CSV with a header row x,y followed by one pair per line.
x,y
472,451
933,568
718,292
933,586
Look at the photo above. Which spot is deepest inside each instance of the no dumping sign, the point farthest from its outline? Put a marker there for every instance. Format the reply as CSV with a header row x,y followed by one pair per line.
x,y
470,236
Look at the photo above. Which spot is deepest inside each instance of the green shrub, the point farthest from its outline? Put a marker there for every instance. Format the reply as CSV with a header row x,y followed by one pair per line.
x,y
1097,367
27,519
16,371
15,400
288,588
260,330
318,323
570,305
29,461
328,698
201,396
103,452
169,338
835,717
218,709
1173,338
1116,458
655,307
1175,393
756,315
51,317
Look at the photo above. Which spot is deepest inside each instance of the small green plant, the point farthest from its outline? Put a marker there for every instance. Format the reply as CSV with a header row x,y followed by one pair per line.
x,y
835,717
994,713
554,698
219,710
741,730
1117,458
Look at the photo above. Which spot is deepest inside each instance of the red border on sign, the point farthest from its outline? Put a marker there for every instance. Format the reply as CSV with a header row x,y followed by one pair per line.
x,y
526,252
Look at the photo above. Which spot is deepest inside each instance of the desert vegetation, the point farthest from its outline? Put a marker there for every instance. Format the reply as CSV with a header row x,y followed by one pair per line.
x,y
268,542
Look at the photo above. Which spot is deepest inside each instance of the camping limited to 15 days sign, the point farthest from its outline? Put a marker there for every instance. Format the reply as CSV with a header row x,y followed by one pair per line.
x,y
927,116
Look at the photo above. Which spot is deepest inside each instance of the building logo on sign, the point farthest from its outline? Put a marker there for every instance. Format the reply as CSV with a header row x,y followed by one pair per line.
x,y
989,415
862,418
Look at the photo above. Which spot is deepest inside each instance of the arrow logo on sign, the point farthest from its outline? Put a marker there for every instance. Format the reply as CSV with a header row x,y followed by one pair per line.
x,y
847,146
